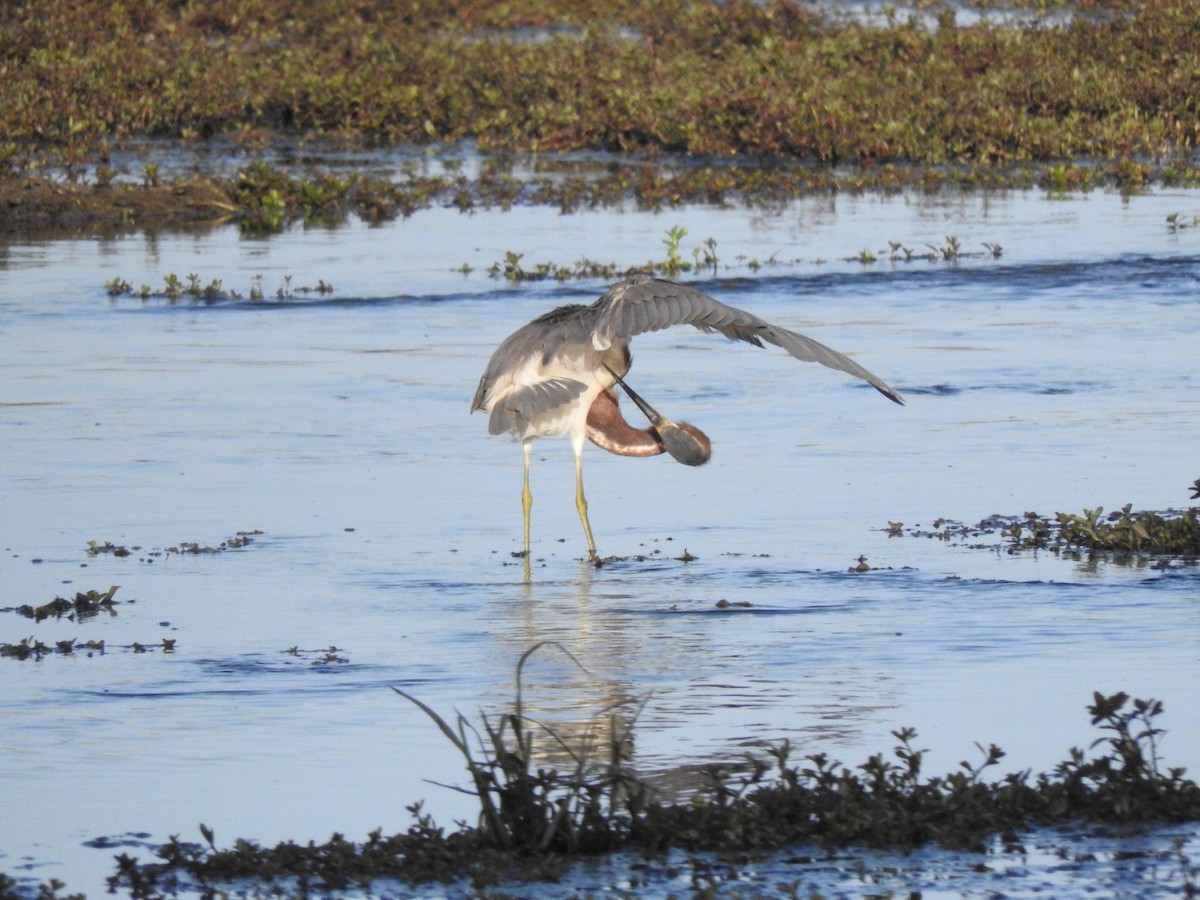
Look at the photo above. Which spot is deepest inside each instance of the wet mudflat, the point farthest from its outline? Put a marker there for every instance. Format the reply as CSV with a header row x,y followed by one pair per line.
x,y
1058,376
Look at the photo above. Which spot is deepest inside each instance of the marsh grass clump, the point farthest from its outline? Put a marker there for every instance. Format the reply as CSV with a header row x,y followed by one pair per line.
x,y
527,808
535,819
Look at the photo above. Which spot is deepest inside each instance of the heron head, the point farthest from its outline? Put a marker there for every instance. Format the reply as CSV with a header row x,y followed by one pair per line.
x,y
686,443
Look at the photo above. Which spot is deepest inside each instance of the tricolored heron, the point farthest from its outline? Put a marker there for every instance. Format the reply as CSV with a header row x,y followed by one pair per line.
x,y
556,376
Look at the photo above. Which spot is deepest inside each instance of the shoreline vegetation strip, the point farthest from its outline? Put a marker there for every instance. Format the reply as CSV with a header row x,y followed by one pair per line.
x,y
686,103
536,820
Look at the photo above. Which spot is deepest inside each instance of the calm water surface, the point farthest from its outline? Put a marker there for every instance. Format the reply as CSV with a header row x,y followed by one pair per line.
x,y
1061,376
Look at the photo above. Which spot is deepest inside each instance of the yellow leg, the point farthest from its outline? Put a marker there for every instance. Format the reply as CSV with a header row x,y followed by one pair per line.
x,y
581,502
527,500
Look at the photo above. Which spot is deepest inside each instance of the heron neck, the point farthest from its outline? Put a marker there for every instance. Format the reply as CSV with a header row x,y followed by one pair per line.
x,y
607,429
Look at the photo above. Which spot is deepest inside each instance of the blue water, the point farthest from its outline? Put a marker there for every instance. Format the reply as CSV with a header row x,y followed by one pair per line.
x,y
1060,376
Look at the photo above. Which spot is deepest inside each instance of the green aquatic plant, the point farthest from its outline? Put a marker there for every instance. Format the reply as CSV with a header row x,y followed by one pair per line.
x,y
1126,531
1124,536
174,290
84,605
814,100
511,267
673,264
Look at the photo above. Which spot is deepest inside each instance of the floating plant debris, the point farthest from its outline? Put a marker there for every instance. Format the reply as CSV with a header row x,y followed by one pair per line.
x,y
238,541
330,655
32,648
83,606
194,292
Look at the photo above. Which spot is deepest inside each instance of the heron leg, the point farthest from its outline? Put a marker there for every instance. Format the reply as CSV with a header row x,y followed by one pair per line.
x,y
527,498
581,501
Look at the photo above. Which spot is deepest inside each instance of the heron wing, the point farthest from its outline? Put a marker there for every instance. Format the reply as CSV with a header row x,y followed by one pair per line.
x,y
519,408
646,304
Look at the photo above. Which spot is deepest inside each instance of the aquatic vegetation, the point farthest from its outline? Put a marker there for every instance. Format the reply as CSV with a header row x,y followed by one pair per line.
x,y
534,819
528,809
10,889
83,606
331,655
32,648
788,80
238,541
1124,536
794,100
511,268
193,291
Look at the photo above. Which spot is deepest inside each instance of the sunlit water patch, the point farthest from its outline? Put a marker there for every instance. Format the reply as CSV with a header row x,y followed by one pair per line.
x,y
1052,378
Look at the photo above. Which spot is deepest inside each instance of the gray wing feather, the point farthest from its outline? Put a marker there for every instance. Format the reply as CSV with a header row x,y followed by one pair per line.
x,y
544,335
649,304
519,408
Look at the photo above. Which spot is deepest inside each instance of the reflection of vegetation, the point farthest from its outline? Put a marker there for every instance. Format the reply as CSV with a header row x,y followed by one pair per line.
x,y
534,820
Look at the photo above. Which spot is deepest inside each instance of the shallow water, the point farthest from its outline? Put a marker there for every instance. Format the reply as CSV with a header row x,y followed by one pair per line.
x,y
1058,377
